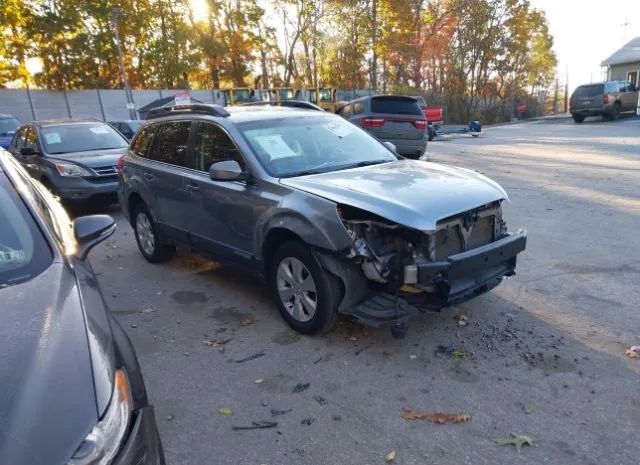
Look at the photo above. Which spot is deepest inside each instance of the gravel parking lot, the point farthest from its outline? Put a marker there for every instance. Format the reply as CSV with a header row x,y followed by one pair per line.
x,y
543,353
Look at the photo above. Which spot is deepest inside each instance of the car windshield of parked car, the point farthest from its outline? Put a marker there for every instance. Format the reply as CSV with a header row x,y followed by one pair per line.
x,y
8,126
24,252
312,144
80,137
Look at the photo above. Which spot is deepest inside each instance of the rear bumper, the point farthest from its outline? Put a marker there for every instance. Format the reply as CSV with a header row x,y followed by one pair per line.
x,y
143,445
409,148
591,111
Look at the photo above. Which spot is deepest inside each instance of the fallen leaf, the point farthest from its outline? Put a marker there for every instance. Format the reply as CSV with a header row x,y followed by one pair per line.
x,y
246,322
463,320
352,338
390,457
148,310
412,357
225,411
633,352
517,440
437,417
169,417
458,353
209,343
258,381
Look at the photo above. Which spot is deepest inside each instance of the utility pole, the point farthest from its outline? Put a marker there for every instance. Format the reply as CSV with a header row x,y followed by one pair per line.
x,y
115,12
625,25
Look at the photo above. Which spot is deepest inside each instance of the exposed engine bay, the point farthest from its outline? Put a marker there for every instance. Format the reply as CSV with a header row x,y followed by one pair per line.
x,y
387,252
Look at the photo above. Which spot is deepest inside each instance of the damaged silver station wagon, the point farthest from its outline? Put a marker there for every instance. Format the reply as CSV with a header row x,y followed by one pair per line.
x,y
330,217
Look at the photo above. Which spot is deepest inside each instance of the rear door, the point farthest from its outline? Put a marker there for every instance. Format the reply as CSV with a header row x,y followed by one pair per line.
x,y
395,117
589,96
628,97
163,173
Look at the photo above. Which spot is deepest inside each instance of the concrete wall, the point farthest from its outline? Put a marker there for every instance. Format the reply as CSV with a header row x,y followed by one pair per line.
x,y
619,72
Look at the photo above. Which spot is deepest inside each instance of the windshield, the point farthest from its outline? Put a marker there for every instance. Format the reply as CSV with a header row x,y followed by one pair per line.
x,y
312,144
24,252
8,126
80,137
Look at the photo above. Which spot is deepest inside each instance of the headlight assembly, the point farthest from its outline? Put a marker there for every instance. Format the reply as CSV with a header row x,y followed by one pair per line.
x,y
69,169
103,442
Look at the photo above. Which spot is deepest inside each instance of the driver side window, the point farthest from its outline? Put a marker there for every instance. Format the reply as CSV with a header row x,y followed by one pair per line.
x,y
213,145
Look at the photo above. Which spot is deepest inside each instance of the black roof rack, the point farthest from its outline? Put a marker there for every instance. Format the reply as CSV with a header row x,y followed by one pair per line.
x,y
291,103
197,108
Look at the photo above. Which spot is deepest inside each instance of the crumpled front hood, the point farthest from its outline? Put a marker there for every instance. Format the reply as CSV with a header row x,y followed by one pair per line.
x,y
412,193
93,158
47,398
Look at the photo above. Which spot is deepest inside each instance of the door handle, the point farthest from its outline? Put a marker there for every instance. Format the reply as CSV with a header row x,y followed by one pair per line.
x,y
193,188
148,176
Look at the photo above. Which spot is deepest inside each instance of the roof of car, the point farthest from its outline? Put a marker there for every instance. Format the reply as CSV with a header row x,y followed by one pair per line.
x,y
58,122
6,115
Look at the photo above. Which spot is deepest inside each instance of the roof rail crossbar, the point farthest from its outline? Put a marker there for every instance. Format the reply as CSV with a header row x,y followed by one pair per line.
x,y
199,108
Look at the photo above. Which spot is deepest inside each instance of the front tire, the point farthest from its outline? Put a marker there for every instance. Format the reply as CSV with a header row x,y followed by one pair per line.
x,y
144,229
307,296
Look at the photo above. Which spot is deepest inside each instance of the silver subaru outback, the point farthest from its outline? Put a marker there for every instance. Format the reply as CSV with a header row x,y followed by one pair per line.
x,y
332,219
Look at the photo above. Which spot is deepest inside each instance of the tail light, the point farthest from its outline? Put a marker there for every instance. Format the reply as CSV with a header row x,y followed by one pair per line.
x,y
420,124
605,99
372,122
120,164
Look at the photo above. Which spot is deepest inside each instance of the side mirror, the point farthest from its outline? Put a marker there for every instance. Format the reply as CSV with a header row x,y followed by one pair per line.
x,y
28,151
391,146
228,170
89,231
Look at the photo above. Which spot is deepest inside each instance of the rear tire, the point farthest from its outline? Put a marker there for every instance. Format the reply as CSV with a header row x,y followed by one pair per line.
x,y
307,296
615,113
145,230
578,118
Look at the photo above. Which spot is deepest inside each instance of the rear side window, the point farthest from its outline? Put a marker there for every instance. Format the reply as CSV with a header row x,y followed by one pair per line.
x,y
24,252
395,105
211,146
590,91
143,142
173,142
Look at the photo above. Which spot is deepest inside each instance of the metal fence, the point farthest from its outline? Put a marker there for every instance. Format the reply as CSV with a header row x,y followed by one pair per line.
x,y
103,104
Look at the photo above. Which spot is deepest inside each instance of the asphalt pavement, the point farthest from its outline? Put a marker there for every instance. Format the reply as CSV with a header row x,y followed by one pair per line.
x,y
542,355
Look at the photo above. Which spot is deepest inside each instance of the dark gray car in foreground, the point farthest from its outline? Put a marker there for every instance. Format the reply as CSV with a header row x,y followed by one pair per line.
x,y
75,159
328,215
72,392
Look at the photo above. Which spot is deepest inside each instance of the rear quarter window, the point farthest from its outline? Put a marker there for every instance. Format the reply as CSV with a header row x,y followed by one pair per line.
x,y
395,105
142,143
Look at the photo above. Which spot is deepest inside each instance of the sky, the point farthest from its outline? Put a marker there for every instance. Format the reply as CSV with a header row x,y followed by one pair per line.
x,y
586,32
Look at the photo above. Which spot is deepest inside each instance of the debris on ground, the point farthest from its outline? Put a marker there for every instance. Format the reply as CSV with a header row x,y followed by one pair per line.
x,y
225,411
450,350
277,413
169,417
148,310
246,322
133,326
390,457
300,387
256,425
463,320
633,352
517,440
412,357
336,418
320,400
352,338
437,417
215,342
250,357
259,381
308,421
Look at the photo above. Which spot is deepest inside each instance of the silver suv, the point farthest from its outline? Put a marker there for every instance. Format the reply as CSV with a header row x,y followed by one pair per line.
x,y
397,119
329,216
607,99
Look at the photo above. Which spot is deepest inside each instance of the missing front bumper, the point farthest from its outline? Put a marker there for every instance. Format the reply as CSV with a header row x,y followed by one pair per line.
x,y
458,278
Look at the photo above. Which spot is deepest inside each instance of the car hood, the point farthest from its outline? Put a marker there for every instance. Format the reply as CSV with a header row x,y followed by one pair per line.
x,y
47,400
92,158
412,193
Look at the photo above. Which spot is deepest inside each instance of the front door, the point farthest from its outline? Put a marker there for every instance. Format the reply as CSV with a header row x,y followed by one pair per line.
x,y
224,213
